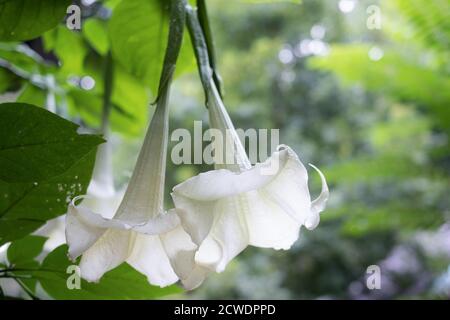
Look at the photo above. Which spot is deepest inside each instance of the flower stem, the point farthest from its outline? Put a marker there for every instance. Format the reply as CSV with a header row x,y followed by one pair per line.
x,y
200,49
26,289
218,115
205,26
145,193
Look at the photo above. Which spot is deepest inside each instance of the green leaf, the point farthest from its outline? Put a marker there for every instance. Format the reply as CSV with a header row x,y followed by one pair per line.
x,y
27,19
95,32
89,106
37,144
32,95
128,92
21,255
121,283
12,229
24,207
71,50
24,250
140,46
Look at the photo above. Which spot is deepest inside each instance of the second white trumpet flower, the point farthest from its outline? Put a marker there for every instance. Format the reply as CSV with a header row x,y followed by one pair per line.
x,y
238,204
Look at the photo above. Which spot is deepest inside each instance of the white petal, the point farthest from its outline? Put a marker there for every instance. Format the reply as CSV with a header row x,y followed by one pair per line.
x,y
228,235
181,250
277,203
89,217
196,278
268,224
108,252
290,186
216,184
149,257
80,235
196,216
159,224
100,203
318,205
84,227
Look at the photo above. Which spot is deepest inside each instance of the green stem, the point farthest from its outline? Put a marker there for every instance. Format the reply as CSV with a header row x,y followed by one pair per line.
x,y
26,289
219,117
12,276
175,39
200,49
5,271
205,26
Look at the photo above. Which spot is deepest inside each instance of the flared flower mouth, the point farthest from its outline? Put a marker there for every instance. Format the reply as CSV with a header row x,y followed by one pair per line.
x,y
220,207
236,205
82,238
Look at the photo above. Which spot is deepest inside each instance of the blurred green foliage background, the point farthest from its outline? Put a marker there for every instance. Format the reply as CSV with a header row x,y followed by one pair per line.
x,y
369,106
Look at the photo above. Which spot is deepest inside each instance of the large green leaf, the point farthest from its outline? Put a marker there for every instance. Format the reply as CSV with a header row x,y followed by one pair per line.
x,y
36,144
27,19
128,92
88,105
121,283
71,50
24,207
32,95
94,30
21,256
140,45
24,250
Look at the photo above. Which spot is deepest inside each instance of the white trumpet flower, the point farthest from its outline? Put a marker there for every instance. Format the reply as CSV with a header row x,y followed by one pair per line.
x,y
236,205
138,230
